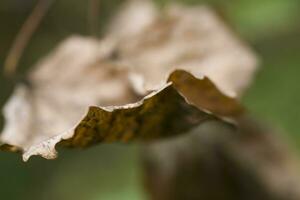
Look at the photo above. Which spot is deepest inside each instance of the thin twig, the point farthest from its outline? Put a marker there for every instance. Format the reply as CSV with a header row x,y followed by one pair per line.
x,y
24,36
93,15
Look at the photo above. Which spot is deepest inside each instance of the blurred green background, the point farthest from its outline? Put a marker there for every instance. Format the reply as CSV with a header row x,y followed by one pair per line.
x,y
112,172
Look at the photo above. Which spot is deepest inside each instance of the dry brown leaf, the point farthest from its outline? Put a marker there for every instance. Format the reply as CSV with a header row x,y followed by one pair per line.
x,y
79,94
166,112
59,91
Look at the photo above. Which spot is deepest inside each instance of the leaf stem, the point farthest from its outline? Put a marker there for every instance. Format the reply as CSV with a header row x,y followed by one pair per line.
x,y
24,35
93,15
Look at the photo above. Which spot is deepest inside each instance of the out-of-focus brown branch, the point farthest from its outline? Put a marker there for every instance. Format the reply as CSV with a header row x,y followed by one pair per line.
x,y
24,36
218,162
93,14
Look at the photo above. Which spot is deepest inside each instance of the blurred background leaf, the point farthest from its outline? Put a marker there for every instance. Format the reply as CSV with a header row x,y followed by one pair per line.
x,y
112,171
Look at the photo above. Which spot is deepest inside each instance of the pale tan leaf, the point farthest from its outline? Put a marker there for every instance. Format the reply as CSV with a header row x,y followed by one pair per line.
x,y
59,91
190,38
88,91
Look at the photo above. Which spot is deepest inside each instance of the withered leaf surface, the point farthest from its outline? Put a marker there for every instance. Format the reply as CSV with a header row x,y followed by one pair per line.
x,y
87,91
59,91
191,38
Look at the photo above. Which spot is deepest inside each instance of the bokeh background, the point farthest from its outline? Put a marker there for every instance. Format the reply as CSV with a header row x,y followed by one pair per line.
x,y
112,172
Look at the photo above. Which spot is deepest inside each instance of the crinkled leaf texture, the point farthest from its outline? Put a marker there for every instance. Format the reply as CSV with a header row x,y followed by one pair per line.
x,y
88,91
